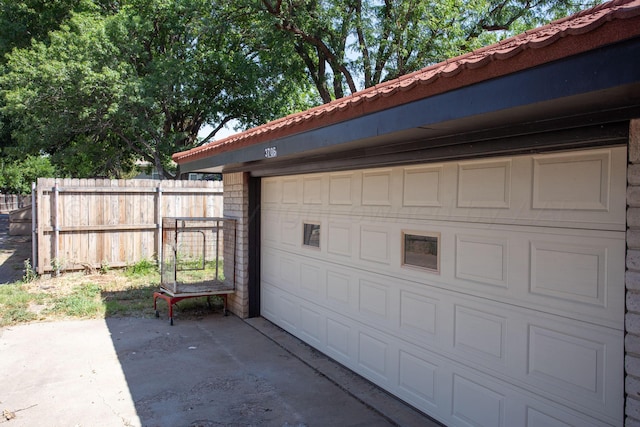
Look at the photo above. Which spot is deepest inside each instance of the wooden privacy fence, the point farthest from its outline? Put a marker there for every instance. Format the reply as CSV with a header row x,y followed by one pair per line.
x,y
12,202
91,223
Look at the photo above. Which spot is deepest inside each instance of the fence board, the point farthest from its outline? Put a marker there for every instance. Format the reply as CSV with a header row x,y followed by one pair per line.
x,y
12,202
113,222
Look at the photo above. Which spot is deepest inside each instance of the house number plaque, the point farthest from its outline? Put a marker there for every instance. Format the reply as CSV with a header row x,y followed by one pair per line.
x,y
270,152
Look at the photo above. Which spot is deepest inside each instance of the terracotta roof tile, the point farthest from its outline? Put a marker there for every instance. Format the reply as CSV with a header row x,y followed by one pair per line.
x,y
581,32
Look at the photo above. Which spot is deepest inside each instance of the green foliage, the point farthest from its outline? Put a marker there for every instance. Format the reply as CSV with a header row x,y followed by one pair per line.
x,y
141,268
29,273
348,45
104,267
57,265
139,83
14,304
26,20
16,176
84,301
76,295
99,84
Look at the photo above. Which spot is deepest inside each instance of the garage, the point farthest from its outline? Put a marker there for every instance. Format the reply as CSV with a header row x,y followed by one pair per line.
x,y
466,237
517,318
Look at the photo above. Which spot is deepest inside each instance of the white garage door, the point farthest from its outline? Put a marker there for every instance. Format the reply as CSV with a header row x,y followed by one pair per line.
x,y
484,293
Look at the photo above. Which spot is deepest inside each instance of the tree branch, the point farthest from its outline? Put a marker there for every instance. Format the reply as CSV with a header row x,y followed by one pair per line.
x,y
216,130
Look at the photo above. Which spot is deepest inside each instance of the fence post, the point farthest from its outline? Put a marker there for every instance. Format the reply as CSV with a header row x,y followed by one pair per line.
x,y
56,230
159,223
34,227
40,223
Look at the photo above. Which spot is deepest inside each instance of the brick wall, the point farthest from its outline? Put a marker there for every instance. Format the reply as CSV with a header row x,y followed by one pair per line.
x,y
236,206
632,317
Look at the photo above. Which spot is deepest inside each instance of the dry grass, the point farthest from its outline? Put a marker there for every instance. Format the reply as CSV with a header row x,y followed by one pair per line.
x,y
116,293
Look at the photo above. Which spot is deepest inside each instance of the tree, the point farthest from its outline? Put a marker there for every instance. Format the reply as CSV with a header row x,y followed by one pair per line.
x,y
348,45
139,84
26,20
16,177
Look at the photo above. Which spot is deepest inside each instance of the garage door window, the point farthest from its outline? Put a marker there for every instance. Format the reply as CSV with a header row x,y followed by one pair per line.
x,y
421,250
311,235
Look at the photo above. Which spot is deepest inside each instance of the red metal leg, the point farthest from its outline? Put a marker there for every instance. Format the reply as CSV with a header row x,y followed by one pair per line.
x,y
173,300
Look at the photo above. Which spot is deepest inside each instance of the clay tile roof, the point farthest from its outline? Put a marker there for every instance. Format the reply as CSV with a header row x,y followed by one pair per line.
x,y
578,33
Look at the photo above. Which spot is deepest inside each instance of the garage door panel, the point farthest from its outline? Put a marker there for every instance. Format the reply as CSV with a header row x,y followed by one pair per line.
x,y
500,402
572,362
572,181
374,301
312,190
482,259
417,379
532,267
375,244
338,340
462,191
476,405
510,309
341,189
586,276
338,288
272,192
375,353
418,316
289,230
289,311
376,188
269,306
575,273
488,322
422,186
312,325
585,362
488,258
269,271
485,184
542,416
340,238
311,280
271,227
289,273
290,191
480,333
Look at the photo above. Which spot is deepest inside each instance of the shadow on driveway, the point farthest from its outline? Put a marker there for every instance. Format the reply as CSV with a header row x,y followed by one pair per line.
x,y
218,371
14,250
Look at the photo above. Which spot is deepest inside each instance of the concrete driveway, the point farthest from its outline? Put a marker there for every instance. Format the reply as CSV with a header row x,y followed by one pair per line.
x,y
219,371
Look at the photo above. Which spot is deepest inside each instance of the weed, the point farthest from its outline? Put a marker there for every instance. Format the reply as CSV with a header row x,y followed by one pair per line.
x,y
16,315
141,268
104,267
84,301
29,273
116,293
14,304
57,265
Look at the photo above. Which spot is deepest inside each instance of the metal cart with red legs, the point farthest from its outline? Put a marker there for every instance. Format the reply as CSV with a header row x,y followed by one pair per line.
x,y
198,260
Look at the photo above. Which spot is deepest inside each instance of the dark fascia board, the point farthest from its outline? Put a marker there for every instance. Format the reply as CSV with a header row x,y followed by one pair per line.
x,y
614,68
607,135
